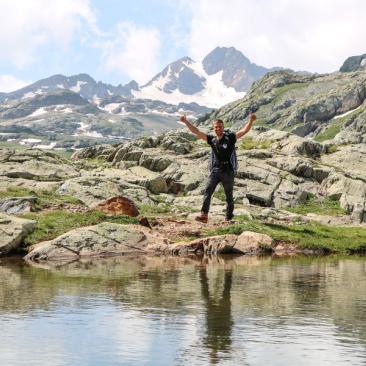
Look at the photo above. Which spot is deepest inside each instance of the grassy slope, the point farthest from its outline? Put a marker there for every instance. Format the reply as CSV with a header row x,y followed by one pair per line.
x,y
313,235
326,206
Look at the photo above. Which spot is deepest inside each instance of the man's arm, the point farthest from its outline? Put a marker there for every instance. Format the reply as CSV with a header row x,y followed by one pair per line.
x,y
193,129
247,127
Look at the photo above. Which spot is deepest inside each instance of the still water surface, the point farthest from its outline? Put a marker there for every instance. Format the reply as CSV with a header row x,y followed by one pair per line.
x,y
174,311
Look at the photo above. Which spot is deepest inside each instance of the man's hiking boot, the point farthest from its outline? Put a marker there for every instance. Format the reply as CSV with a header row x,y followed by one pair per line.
x,y
229,221
202,218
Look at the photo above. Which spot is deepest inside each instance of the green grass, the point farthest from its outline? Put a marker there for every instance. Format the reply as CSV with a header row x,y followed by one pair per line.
x,y
64,153
289,87
98,162
44,198
147,209
248,143
51,224
314,236
315,205
336,126
332,130
11,145
331,149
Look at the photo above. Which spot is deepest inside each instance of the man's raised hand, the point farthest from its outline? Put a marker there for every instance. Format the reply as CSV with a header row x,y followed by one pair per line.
x,y
183,118
252,117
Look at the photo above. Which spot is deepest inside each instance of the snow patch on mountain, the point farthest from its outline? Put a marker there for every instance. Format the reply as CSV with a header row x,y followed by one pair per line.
x,y
78,85
38,112
214,95
110,107
28,95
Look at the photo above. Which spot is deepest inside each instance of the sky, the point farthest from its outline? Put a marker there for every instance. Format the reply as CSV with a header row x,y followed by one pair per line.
x,y
116,41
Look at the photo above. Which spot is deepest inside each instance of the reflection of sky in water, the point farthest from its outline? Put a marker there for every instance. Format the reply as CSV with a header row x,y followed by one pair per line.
x,y
94,334
281,315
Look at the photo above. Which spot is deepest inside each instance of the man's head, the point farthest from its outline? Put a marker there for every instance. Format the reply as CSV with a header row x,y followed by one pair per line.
x,y
218,127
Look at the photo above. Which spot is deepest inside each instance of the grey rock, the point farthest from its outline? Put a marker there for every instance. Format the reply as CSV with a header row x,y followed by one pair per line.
x,y
251,243
98,151
13,231
93,189
17,205
297,145
156,163
35,165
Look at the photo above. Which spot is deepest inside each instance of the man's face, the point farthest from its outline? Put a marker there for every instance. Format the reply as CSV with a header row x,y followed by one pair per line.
x,y
218,128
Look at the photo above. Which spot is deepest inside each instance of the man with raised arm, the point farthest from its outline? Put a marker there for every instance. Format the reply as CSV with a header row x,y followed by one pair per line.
x,y
223,162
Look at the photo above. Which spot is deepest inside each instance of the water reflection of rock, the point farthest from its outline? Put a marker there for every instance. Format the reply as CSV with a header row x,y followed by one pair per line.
x,y
23,289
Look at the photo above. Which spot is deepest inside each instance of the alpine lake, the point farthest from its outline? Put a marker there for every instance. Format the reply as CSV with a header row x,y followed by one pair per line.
x,y
184,311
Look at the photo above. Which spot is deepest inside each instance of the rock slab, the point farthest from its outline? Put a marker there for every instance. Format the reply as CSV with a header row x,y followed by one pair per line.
x,y
105,239
12,231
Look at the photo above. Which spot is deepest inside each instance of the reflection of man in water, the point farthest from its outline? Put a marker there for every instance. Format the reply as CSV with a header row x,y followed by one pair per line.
x,y
218,316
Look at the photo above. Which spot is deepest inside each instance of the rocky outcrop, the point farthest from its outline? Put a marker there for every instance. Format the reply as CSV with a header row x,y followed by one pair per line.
x,y
109,239
13,230
247,243
302,103
144,177
97,151
285,174
35,165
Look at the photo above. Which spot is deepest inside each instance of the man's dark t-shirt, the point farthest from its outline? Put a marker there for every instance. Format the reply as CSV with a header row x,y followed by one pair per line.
x,y
223,154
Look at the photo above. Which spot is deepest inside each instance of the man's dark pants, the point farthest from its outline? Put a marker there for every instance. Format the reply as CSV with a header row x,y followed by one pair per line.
x,y
226,177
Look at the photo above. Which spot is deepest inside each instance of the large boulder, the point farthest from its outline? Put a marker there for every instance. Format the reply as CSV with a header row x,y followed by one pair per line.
x,y
127,152
105,239
154,162
35,165
13,231
17,205
350,192
178,141
28,184
141,176
91,190
351,159
295,145
250,242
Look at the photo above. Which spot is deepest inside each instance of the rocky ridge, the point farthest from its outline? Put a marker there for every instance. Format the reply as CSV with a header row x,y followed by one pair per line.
x,y
77,111
329,108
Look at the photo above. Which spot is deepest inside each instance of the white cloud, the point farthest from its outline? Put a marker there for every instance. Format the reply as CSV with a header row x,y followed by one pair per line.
x,y
134,52
26,25
303,34
10,83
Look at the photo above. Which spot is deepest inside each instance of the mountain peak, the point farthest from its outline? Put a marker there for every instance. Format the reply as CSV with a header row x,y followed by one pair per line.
x,y
132,85
237,70
222,57
82,77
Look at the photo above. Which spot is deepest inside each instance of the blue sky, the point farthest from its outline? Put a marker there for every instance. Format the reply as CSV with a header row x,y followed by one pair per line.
x,y
116,41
